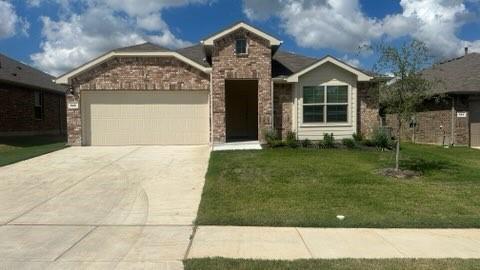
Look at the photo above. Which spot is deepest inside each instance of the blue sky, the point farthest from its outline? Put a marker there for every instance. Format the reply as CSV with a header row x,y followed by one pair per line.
x,y
57,35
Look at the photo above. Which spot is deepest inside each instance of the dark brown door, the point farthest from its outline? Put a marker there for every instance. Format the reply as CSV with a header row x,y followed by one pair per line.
x,y
241,105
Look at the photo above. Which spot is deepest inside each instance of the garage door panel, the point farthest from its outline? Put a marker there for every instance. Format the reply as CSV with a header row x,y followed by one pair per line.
x,y
143,117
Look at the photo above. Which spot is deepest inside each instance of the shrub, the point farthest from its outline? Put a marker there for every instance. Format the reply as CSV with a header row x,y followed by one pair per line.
x,y
368,143
272,138
349,143
358,137
328,141
291,139
277,143
306,143
381,139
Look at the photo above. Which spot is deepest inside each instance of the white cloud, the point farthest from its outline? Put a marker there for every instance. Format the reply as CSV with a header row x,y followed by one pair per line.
x,y
435,22
34,3
261,10
341,24
355,62
11,23
99,26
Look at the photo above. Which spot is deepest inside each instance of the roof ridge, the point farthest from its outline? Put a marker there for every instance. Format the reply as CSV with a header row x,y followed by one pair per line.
x,y
297,54
187,47
457,58
146,43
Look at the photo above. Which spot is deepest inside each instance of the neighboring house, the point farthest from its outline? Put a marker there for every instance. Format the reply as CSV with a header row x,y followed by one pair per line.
x,y
30,102
455,119
234,85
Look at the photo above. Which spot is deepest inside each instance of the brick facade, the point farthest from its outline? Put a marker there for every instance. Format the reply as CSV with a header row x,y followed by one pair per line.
x,y
257,65
282,108
17,113
132,73
169,74
368,117
434,123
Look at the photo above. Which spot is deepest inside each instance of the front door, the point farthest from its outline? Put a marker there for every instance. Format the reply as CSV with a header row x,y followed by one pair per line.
x,y
241,104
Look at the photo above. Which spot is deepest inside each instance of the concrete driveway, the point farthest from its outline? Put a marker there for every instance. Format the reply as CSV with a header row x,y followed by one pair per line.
x,y
101,207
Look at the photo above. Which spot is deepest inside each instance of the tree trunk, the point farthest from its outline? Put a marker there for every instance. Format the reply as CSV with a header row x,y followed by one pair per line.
x,y
397,148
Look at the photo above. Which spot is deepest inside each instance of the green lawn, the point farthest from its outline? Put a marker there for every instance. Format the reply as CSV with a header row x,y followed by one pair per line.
x,y
343,264
309,188
14,149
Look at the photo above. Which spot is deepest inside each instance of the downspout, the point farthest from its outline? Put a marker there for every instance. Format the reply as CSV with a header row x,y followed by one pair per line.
x,y
60,115
296,109
452,129
273,108
211,111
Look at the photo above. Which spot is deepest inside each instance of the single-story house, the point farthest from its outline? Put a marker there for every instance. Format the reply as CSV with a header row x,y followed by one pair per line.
x,y
31,103
455,118
232,86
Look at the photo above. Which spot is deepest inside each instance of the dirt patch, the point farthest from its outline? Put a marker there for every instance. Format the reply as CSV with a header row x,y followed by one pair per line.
x,y
399,174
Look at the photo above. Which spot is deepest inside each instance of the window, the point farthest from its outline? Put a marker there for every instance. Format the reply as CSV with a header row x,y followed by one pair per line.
x,y
38,106
313,104
323,104
241,46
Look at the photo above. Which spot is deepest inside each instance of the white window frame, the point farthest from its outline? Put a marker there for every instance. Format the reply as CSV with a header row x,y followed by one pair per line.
x,y
246,46
325,105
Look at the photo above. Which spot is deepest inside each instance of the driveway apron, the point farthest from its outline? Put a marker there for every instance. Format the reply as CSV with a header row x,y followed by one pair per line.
x,y
101,207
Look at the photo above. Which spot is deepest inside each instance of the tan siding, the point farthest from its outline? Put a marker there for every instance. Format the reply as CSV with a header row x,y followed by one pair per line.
x,y
327,74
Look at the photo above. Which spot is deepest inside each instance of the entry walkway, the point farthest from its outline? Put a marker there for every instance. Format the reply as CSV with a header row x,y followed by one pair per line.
x,y
276,243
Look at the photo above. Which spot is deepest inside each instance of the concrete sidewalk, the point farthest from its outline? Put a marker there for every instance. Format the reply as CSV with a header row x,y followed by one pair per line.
x,y
277,243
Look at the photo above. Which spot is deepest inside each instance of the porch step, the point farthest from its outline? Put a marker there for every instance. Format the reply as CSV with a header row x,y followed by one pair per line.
x,y
248,145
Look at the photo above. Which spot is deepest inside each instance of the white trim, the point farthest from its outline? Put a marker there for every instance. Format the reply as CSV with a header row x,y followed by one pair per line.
x,y
65,79
246,47
360,75
325,104
273,41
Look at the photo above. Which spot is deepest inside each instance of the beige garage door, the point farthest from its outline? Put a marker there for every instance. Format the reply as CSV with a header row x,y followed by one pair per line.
x,y
145,117
475,123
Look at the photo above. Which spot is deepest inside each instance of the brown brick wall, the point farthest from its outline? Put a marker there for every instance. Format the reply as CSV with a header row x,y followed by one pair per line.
x,y
226,65
282,108
434,122
368,118
17,114
133,73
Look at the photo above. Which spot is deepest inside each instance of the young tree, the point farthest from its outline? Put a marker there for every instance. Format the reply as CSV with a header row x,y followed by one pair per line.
x,y
408,89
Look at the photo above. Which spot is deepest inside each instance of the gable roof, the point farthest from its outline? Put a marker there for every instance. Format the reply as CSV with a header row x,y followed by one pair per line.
x,y
195,53
143,47
209,40
362,75
15,72
140,50
458,76
286,63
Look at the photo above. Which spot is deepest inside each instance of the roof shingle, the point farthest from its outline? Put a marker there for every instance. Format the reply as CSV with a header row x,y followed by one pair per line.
x,y
460,75
144,47
15,72
195,53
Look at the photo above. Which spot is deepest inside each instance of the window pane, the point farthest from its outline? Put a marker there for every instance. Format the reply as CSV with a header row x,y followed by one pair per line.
x,y
337,94
37,99
312,94
241,46
337,113
312,114
38,113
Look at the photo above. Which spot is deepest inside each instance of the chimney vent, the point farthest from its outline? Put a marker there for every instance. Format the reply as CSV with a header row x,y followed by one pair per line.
x,y
466,50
